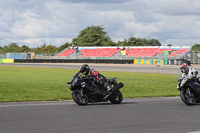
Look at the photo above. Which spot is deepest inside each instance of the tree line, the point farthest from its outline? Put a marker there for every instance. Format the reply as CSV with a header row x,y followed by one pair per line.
x,y
90,36
15,48
196,48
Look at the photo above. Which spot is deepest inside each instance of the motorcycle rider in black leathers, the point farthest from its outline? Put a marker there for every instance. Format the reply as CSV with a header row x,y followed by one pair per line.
x,y
96,78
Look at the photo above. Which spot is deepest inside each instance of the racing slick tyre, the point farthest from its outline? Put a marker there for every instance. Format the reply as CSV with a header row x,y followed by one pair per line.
x,y
116,97
80,99
187,98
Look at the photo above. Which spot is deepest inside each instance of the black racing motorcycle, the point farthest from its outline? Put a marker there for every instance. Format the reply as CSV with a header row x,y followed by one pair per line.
x,y
83,92
189,90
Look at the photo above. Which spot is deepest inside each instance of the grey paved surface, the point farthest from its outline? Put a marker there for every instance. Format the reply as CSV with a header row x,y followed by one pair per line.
x,y
165,69
108,67
145,115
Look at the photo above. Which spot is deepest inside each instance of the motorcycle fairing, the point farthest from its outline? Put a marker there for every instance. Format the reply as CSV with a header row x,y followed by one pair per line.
x,y
195,86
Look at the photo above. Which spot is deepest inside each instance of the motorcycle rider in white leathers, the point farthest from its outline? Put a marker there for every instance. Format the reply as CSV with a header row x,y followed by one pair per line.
x,y
188,74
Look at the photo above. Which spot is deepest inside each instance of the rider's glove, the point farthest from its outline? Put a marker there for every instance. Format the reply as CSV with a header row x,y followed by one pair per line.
x,y
85,77
88,77
178,87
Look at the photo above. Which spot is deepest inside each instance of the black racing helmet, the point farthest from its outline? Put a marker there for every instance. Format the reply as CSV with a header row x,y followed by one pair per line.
x,y
184,68
84,69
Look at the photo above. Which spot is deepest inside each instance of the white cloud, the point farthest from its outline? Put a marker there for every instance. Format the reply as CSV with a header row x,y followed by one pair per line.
x,y
182,41
139,30
174,7
56,22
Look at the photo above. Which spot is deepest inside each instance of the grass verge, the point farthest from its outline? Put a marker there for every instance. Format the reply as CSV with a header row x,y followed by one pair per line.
x,y
19,83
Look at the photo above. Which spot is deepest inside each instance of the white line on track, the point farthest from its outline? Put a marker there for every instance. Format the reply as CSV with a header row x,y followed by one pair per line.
x,y
35,104
48,103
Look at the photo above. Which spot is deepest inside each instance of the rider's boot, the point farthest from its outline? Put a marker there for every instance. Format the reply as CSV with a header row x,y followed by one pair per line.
x,y
108,87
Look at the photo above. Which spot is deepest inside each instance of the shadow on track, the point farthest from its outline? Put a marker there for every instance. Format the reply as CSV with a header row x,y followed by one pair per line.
x,y
107,103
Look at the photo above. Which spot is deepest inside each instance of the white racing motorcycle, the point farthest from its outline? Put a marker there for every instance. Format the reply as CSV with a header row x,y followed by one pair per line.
x,y
189,90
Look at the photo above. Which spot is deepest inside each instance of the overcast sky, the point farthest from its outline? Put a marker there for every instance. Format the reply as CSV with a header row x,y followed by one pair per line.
x,y
55,22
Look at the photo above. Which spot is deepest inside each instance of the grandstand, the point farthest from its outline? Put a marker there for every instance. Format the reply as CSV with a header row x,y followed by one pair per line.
x,y
145,52
163,55
66,53
99,52
128,52
179,52
173,55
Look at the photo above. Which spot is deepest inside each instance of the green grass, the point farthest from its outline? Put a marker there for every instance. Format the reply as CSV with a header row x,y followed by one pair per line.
x,y
42,84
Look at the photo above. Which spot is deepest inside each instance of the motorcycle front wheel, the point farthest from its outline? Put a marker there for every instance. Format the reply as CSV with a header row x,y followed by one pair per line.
x,y
188,97
116,97
80,99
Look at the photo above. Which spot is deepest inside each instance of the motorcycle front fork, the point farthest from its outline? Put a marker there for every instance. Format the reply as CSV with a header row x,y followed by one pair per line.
x,y
190,95
188,91
81,92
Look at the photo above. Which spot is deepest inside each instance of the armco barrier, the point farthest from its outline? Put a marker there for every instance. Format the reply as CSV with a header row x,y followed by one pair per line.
x,y
147,62
1,60
138,61
178,61
165,62
151,61
8,60
135,61
154,61
141,61
162,62
111,61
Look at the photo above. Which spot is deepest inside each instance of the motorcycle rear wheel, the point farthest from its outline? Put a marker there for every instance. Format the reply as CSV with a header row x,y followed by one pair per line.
x,y
80,99
116,97
187,98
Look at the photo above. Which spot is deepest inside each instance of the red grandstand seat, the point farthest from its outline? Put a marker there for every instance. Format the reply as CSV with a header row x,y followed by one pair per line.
x,y
178,52
143,52
66,52
99,52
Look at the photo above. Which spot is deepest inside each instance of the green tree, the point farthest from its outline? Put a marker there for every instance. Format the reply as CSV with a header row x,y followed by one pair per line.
x,y
14,48
154,42
122,43
63,47
35,50
13,45
196,48
48,49
1,50
132,41
25,48
93,36
11,48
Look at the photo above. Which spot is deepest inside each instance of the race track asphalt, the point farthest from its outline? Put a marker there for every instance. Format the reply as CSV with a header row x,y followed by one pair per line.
x,y
135,115
168,69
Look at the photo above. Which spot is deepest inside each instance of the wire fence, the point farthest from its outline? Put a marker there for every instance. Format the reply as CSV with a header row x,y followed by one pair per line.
x,y
193,58
2,56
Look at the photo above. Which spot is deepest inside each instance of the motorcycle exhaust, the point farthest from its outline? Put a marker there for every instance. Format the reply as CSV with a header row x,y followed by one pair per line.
x,y
117,87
